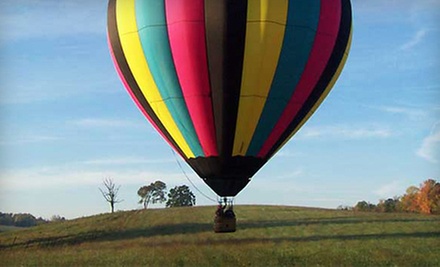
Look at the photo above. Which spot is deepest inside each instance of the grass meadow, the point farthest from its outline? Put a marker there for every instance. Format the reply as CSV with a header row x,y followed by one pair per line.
x,y
266,236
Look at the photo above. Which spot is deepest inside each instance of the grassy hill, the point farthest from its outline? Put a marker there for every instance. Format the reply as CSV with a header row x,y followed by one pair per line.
x,y
5,228
266,236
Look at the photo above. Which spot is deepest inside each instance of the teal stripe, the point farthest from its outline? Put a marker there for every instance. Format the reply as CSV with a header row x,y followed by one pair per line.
x,y
151,22
302,23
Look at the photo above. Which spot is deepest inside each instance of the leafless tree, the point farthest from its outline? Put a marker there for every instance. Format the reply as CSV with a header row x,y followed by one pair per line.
x,y
110,193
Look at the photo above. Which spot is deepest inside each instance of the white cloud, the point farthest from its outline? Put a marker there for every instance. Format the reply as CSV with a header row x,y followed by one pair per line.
x,y
344,132
284,153
64,176
288,176
415,40
430,148
29,139
99,123
42,18
411,113
127,161
390,189
283,188
18,91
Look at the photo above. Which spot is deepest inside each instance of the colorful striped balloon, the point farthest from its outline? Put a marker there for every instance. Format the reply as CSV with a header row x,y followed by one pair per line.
x,y
228,82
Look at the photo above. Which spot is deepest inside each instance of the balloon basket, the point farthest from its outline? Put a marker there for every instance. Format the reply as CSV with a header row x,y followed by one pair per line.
x,y
224,224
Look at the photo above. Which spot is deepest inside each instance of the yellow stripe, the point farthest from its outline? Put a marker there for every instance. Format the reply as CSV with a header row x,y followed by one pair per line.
x,y
266,21
131,45
324,94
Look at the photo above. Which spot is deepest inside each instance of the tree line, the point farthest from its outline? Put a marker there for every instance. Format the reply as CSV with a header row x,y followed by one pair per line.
x,y
423,199
25,219
156,192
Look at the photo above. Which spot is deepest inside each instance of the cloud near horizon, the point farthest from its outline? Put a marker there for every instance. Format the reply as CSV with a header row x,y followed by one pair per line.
x,y
67,176
390,189
430,147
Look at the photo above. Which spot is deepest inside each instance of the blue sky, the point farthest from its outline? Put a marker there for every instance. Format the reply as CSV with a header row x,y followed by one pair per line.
x,y
67,123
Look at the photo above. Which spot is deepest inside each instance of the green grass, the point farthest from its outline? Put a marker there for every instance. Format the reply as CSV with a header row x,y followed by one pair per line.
x,y
266,236
4,228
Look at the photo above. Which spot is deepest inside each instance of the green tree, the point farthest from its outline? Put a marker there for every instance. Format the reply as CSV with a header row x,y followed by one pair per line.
x,y
388,205
153,193
180,196
364,206
24,220
6,219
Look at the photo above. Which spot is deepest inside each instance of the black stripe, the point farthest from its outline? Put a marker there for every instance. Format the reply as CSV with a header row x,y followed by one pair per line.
x,y
225,23
226,178
125,69
329,71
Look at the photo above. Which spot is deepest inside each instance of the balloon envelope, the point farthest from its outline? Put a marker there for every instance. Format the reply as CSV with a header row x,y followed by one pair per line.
x,y
228,83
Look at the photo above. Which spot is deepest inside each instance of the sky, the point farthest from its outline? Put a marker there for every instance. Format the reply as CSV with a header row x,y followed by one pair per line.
x,y
67,122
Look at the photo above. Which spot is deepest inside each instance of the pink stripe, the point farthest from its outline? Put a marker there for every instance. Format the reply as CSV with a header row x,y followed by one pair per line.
x,y
186,30
322,49
133,96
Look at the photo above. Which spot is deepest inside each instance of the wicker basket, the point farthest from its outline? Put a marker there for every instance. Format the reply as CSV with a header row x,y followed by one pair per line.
x,y
224,224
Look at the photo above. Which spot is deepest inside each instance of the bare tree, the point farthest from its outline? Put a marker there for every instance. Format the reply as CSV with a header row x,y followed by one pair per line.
x,y
110,193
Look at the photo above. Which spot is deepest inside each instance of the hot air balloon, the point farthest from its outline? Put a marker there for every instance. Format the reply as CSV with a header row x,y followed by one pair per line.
x,y
228,82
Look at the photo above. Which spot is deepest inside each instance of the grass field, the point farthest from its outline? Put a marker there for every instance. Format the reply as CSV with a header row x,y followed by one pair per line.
x,y
5,228
266,236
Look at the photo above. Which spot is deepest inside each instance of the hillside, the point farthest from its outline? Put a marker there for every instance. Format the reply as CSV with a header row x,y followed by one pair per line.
x,y
266,236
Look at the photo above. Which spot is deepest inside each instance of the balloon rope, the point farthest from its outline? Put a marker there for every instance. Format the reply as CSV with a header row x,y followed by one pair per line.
x,y
184,173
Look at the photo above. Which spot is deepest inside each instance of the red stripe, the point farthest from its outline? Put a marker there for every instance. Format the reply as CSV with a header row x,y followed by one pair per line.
x,y
186,30
322,49
138,104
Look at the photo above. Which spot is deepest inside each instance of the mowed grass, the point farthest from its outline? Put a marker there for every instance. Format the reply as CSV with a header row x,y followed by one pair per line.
x,y
266,236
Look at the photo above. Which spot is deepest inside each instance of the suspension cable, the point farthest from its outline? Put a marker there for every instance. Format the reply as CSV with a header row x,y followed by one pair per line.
x,y
187,177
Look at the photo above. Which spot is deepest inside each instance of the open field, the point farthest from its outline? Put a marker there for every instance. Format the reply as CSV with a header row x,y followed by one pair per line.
x,y
5,228
266,236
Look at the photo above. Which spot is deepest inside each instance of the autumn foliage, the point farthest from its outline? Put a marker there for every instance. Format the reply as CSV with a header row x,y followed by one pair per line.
x,y
422,199
428,198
